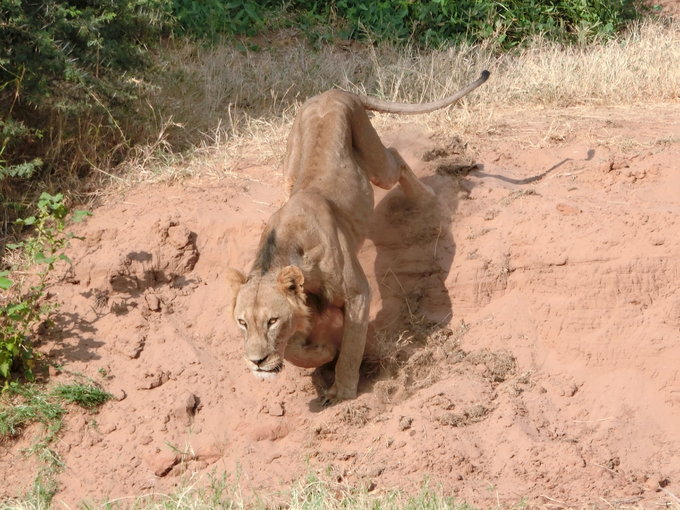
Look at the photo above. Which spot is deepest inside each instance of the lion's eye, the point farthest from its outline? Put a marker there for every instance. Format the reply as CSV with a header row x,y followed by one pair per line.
x,y
272,321
243,323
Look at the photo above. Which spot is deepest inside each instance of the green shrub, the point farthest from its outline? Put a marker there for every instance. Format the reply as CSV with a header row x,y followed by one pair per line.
x,y
22,310
426,22
211,18
446,22
69,73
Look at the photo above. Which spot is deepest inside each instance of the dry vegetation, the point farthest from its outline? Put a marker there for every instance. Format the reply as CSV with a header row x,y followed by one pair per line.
x,y
238,104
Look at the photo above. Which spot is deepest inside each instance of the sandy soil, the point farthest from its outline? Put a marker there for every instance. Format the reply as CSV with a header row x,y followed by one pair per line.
x,y
527,328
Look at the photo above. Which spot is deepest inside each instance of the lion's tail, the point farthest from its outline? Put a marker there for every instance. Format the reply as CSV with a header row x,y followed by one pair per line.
x,y
378,105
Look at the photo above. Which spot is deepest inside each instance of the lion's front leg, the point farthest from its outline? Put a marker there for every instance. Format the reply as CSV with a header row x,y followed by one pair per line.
x,y
353,344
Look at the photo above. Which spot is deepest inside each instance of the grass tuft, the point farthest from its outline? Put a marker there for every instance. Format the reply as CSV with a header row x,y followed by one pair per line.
x,y
87,396
23,404
309,493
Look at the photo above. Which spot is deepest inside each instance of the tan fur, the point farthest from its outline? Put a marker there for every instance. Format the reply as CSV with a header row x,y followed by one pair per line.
x,y
310,245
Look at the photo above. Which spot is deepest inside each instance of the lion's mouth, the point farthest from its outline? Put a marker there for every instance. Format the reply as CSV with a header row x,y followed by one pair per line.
x,y
266,368
267,373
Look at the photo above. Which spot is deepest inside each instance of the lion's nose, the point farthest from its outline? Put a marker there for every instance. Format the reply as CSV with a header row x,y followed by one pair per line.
x,y
257,360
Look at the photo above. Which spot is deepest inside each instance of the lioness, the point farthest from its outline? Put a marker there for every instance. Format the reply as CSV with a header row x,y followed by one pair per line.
x,y
306,297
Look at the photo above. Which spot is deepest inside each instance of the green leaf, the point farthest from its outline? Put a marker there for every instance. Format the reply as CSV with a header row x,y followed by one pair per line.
x,y
79,216
26,221
5,283
4,368
40,258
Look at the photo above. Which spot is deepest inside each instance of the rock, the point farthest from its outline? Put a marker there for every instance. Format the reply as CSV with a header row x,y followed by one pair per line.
x,y
107,428
606,167
161,462
134,346
119,394
153,302
185,411
179,236
207,448
375,471
154,380
276,410
191,404
568,210
405,423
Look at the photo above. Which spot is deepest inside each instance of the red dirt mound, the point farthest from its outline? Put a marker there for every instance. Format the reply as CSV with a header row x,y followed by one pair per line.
x,y
526,329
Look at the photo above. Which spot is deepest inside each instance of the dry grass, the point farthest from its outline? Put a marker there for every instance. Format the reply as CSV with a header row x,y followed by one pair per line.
x,y
235,107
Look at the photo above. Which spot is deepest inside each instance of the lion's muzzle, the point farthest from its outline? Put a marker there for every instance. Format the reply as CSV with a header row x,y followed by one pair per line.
x,y
267,367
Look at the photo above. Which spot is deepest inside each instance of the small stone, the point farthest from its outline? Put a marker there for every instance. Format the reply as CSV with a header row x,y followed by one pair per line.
x,y
131,346
276,410
119,394
375,471
153,302
191,404
162,462
568,210
187,408
179,236
606,167
405,423
108,428
571,390
153,380
207,449
613,463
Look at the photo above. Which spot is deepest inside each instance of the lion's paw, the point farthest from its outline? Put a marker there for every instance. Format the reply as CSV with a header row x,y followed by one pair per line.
x,y
337,394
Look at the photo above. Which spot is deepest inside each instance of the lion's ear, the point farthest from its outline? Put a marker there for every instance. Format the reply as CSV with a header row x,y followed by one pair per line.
x,y
235,279
290,280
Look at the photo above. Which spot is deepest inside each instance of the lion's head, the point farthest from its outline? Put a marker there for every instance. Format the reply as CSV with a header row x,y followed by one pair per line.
x,y
269,308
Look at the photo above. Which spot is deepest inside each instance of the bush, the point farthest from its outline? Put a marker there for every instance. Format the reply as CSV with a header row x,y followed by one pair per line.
x,y
446,22
23,310
426,22
211,18
67,80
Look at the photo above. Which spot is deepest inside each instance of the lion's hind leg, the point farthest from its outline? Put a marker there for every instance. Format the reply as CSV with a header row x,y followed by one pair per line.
x,y
384,166
412,186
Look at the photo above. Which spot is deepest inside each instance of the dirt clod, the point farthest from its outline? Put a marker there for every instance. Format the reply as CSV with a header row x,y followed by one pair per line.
x,y
276,409
161,462
405,423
